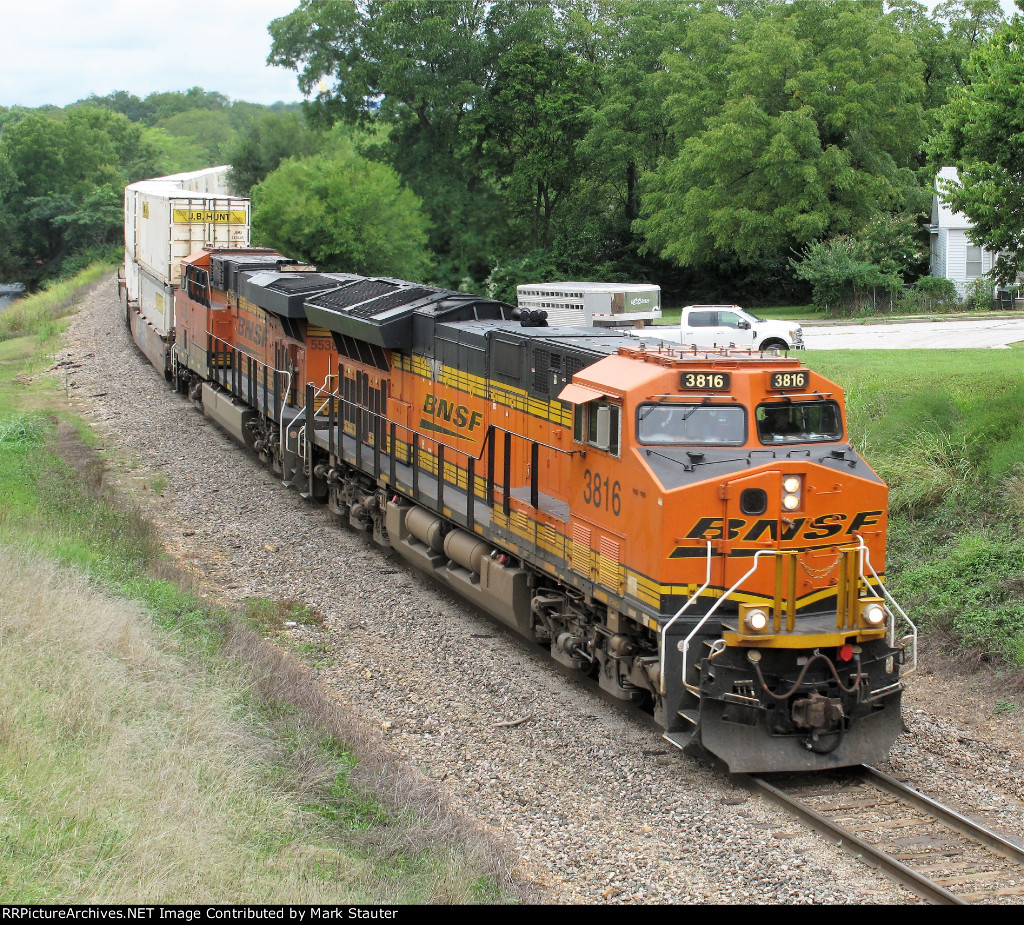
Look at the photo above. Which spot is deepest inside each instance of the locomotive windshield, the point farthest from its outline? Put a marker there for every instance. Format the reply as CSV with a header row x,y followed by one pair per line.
x,y
799,422
691,425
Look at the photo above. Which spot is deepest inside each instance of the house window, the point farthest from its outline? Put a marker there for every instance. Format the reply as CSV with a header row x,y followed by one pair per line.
x,y
974,261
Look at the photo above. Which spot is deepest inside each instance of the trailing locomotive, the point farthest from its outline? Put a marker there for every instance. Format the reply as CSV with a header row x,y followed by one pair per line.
x,y
691,527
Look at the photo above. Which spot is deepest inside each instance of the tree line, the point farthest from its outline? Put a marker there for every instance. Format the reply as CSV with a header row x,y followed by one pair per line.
x,y
63,170
755,150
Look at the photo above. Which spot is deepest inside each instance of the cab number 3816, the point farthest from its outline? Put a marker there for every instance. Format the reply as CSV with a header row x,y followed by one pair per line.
x,y
601,492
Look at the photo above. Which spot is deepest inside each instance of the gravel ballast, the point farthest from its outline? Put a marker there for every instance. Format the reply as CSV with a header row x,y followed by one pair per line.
x,y
594,803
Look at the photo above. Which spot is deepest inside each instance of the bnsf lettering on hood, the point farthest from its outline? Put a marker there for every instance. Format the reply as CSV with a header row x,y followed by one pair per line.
x,y
817,528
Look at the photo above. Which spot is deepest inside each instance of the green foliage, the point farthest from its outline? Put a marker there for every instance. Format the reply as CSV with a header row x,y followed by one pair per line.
x,y
698,146
172,154
22,429
530,122
844,279
342,212
973,590
794,122
627,140
37,313
209,130
68,187
847,272
943,428
982,126
936,293
268,139
531,268
63,171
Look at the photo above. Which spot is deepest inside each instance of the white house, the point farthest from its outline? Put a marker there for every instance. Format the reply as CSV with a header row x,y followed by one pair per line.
x,y
953,255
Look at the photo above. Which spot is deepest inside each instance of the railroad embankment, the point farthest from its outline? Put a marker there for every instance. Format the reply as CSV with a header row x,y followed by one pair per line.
x,y
155,747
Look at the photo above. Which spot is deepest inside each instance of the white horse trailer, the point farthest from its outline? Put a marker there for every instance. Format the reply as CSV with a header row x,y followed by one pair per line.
x,y
601,305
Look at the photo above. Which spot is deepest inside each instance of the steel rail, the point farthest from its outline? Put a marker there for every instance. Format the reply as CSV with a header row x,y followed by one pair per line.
x,y
957,822
899,871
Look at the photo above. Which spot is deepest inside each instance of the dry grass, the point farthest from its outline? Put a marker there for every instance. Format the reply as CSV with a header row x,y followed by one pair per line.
x,y
129,774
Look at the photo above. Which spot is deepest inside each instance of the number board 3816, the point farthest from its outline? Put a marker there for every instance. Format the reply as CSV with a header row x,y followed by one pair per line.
x,y
798,379
704,382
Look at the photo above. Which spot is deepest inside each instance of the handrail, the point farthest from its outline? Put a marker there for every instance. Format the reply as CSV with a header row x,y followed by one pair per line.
x,y
866,561
864,557
715,606
259,362
679,613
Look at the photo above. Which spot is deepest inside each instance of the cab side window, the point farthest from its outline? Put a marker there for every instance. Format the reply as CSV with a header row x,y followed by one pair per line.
x,y
598,424
702,319
728,319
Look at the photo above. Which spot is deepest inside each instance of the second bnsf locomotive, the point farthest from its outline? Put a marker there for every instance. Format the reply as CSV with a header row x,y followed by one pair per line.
x,y
690,527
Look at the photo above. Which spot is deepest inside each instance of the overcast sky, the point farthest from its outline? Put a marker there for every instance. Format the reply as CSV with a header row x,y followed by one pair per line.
x,y
59,51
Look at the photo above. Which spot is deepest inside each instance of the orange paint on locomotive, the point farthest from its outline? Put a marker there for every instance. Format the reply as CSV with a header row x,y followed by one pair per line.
x,y
626,528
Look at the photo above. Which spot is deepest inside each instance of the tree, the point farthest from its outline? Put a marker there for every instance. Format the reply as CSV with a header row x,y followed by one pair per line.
x,y
169,154
530,121
420,69
848,271
968,24
793,122
982,135
208,129
68,182
259,148
485,103
344,213
7,181
165,105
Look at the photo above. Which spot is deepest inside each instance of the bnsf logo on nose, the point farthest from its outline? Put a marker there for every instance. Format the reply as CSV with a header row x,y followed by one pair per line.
x,y
818,528
459,415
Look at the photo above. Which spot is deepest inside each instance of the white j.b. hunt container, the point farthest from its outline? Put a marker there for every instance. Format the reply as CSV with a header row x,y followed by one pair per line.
x,y
593,304
166,219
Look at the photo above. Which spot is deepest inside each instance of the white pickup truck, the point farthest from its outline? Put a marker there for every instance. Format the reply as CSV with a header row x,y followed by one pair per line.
x,y
729,325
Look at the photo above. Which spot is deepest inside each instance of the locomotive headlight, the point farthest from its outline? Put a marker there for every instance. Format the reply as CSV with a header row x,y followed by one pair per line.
x,y
872,612
754,619
791,491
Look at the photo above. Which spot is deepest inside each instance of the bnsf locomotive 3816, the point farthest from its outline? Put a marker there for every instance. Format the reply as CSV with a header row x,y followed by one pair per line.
x,y
690,527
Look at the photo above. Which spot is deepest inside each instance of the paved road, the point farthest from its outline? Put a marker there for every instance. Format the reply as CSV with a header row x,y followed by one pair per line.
x,y
936,335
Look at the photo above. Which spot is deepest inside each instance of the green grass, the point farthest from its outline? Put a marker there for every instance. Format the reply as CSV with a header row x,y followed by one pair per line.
x,y
944,429
38,315
277,810
152,746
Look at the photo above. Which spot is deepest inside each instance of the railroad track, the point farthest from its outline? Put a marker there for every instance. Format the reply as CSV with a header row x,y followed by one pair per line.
x,y
940,854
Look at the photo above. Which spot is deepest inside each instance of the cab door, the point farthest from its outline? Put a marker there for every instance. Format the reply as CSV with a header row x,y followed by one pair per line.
x,y
733,328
